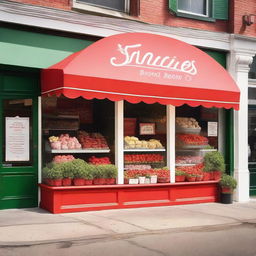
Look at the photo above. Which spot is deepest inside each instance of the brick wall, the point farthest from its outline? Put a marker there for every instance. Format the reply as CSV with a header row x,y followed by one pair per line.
x,y
157,12
242,7
59,4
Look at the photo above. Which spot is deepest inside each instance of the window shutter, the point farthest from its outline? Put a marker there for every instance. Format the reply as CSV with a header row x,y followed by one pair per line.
x,y
173,5
220,9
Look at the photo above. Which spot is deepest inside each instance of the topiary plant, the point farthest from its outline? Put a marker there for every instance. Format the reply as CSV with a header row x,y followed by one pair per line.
x,y
179,173
214,161
228,181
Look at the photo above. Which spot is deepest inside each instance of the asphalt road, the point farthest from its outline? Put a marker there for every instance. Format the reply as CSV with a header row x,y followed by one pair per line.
x,y
227,240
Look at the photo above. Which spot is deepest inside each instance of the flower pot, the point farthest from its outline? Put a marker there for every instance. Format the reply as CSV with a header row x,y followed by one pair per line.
x,y
78,182
216,175
66,182
55,183
199,177
180,178
142,180
226,190
133,181
226,198
190,179
163,179
110,181
99,181
153,179
206,176
87,182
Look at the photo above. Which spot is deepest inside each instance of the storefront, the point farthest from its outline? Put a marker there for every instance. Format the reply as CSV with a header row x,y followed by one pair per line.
x,y
148,110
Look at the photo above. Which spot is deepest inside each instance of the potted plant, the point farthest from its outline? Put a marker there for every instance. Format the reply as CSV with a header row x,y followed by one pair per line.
x,y
180,176
227,184
190,177
110,174
52,176
163,175
79,171
67,172
214,164
99,175
88,175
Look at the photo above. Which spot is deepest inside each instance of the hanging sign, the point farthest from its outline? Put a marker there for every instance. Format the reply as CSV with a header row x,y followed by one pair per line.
x,y
212,129
147,129
17,138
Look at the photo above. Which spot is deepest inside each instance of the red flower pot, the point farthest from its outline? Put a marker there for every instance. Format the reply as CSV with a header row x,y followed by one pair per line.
x,y
199,177
163,179
226,190
216,175
66,182
180,178
55,183
99,181
110,181
78,182
88,182
207,176
190,179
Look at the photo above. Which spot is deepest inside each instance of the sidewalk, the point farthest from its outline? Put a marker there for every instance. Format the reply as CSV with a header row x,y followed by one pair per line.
x,y
36,226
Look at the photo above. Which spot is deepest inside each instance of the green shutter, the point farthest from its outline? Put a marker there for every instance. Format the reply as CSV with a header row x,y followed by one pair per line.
x,y
173,5
220,9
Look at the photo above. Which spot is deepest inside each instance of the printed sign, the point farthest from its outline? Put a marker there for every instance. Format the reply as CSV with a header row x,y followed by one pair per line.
x,y
17,139
212,129
147,129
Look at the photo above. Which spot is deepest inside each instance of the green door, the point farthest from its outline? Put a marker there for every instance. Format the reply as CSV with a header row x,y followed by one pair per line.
x,y
252,148
19,156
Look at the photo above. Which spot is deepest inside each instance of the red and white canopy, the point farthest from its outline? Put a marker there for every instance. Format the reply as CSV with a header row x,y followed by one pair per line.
x,y
143,67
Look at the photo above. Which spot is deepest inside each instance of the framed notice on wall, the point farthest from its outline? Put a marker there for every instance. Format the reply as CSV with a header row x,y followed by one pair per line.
x,y
17,139
147,129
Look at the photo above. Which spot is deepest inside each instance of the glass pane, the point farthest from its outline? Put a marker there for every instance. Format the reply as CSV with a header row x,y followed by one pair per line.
x,y
252,135
111,4
252,72
198,6
17,132
145,143
196,135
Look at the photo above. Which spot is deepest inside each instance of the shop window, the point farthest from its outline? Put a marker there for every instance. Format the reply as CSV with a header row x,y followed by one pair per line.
x,y
196,135
252,72
118,5
145,143
208,10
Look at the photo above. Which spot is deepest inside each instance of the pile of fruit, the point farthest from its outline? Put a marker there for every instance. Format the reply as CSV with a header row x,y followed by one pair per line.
x,y
63,158
134,142
92,140
143,158
99,160
187,122
163,173
190,139
189,159
64,142
192,170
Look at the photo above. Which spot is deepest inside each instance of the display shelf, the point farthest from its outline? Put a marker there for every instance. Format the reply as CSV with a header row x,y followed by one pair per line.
x,y
197,149
144,150
56,151
185,165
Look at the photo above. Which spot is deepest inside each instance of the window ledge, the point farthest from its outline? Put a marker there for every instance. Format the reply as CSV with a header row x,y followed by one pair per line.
x,y
195,17
101,11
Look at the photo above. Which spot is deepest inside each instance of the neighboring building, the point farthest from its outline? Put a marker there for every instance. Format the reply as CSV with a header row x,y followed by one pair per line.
x,y
36,34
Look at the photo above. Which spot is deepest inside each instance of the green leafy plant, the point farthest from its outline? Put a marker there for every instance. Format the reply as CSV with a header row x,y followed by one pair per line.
x,y
89,171
98,172
52,173
214,161
66,168
179,173
110,171
228,181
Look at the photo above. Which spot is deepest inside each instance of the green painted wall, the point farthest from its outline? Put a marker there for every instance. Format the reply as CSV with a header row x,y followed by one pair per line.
x,y
29,49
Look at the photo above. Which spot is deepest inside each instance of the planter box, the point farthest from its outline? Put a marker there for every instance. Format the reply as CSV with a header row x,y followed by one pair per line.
x,y
91,198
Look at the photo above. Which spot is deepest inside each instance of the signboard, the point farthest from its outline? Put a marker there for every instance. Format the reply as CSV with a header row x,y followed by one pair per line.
x,y
147,129
212,129
17,139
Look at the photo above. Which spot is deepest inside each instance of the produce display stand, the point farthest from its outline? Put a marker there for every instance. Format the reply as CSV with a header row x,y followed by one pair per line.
x,y
102,197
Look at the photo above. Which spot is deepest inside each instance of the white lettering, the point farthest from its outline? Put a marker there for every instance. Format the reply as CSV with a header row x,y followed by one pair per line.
x,y
134,57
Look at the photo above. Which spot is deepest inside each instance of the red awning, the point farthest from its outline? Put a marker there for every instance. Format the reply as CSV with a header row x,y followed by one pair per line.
x,y
143,67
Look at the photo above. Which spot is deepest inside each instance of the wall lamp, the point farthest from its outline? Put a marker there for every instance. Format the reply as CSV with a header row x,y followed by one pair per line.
x,y
248,20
